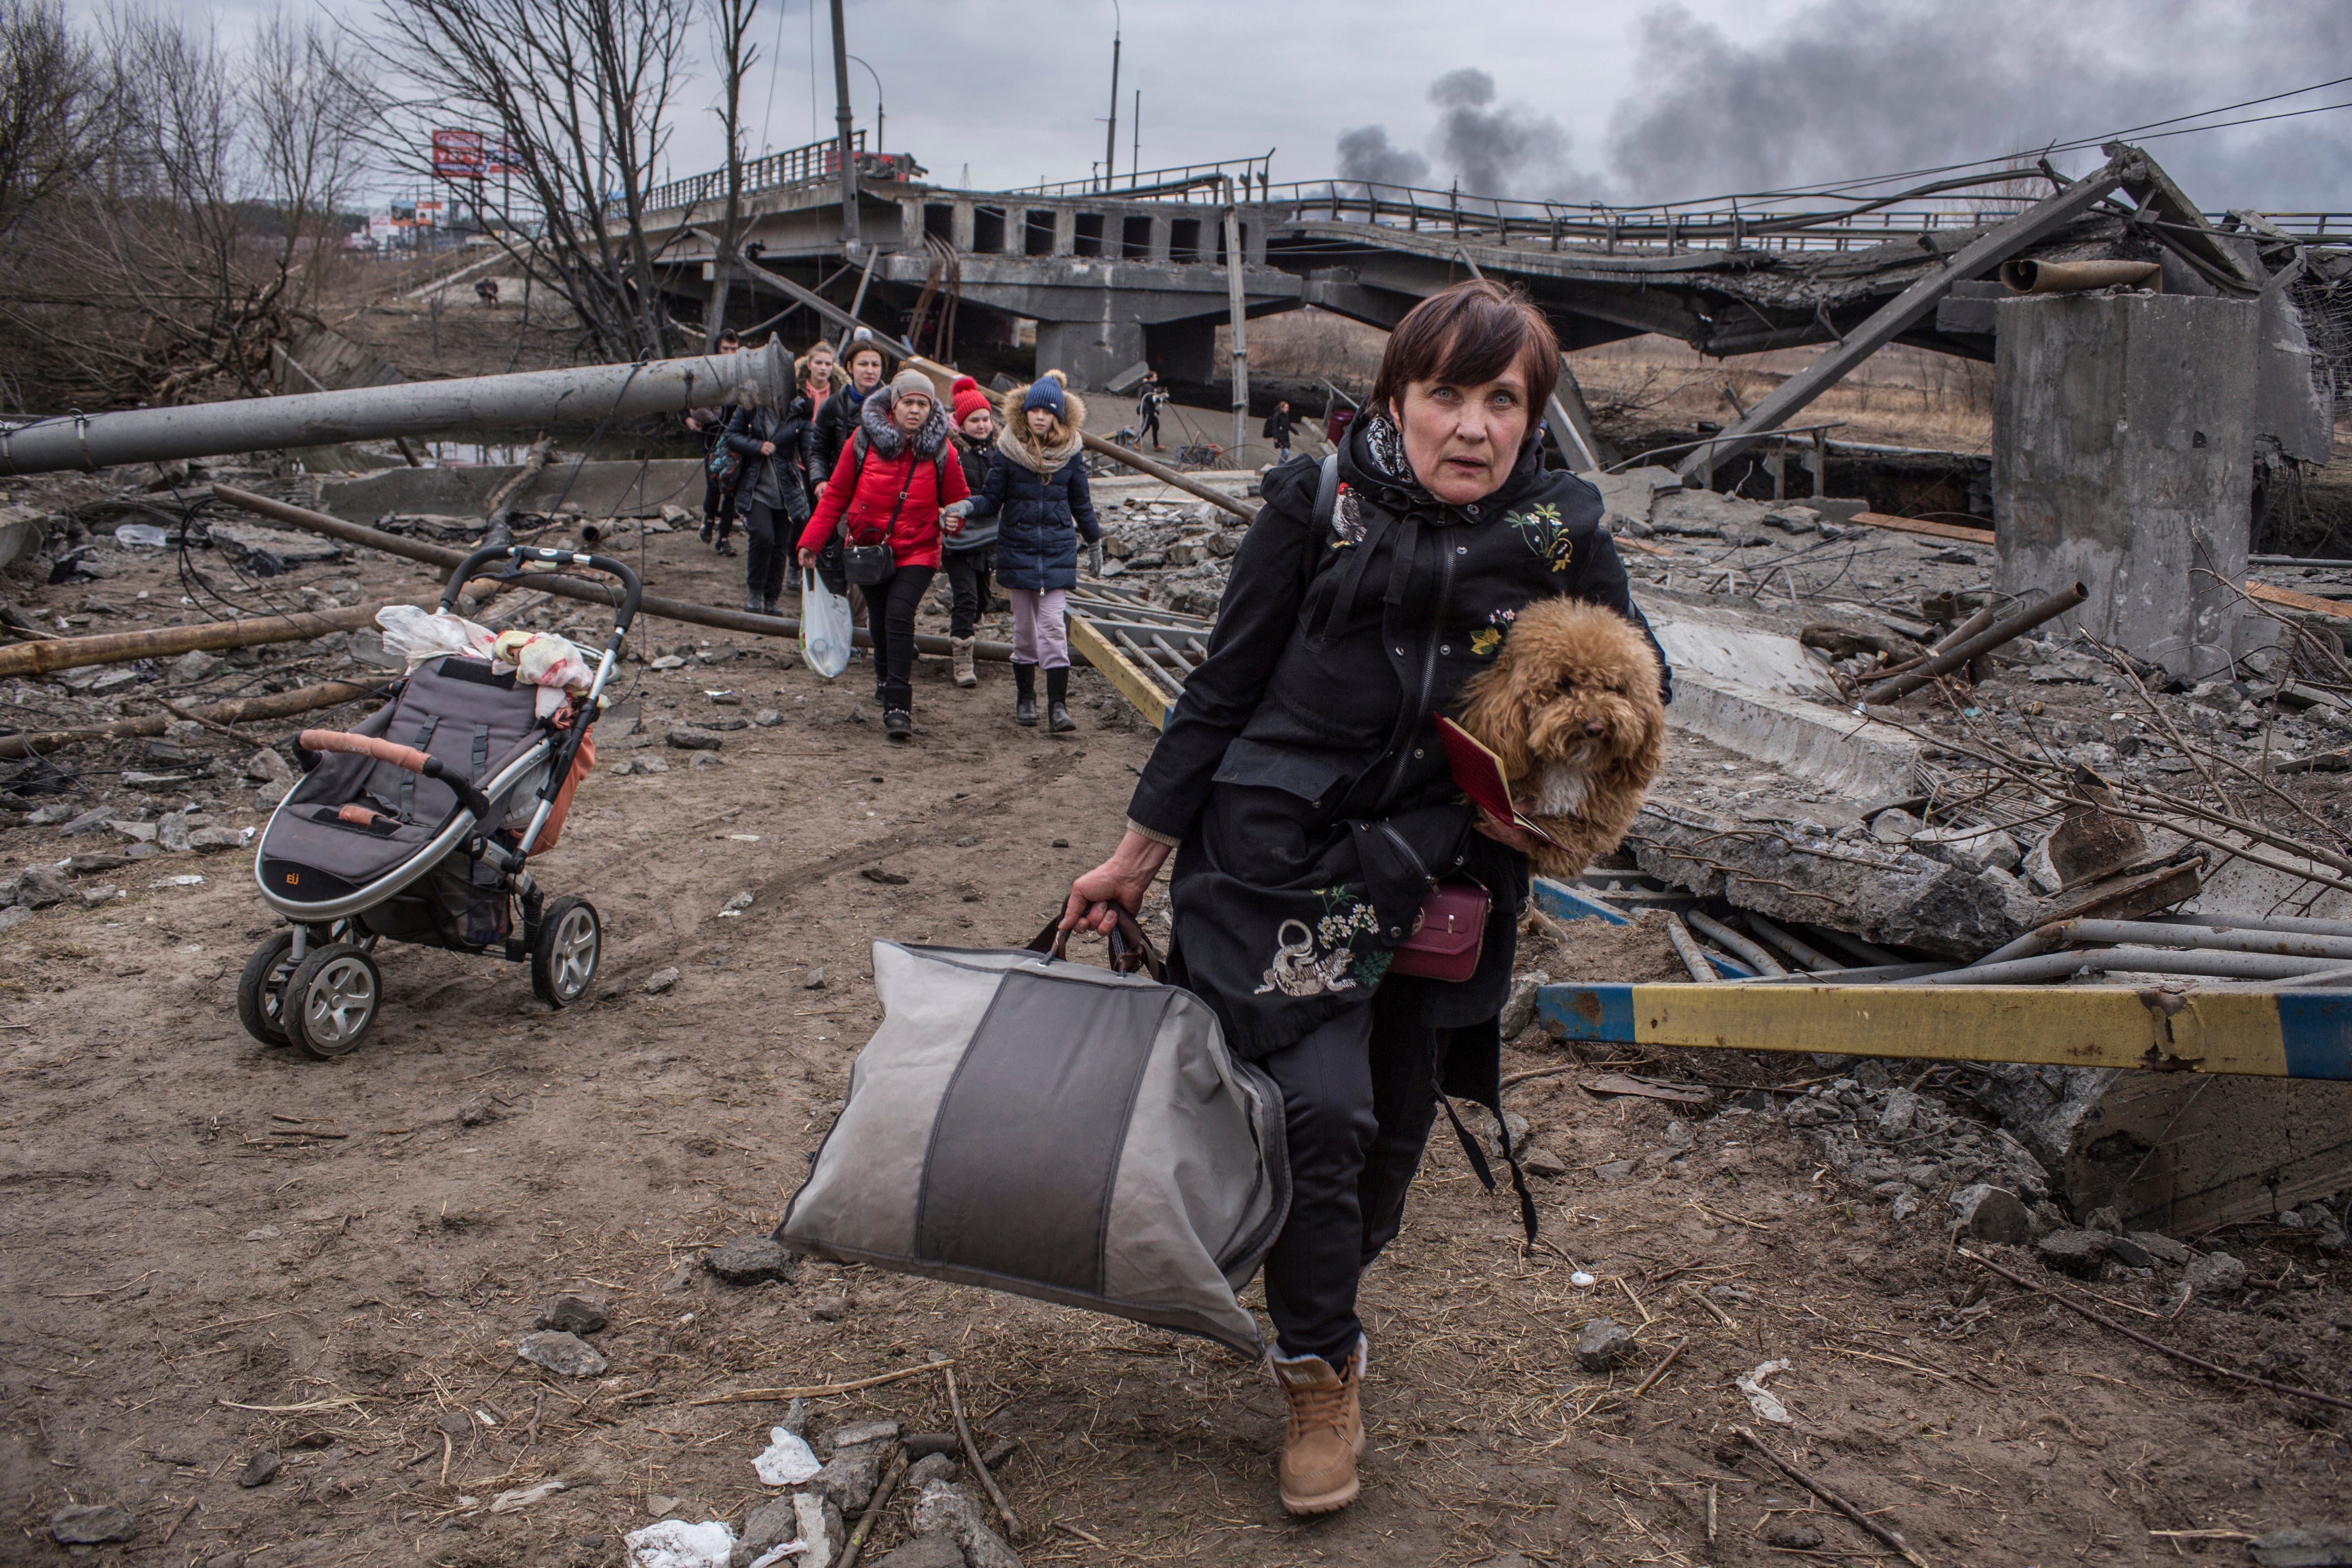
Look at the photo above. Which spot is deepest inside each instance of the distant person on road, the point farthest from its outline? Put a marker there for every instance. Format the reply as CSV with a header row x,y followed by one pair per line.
x,y
970,553
486,291
722,478
1037,482
1277,430
886,486
1147,409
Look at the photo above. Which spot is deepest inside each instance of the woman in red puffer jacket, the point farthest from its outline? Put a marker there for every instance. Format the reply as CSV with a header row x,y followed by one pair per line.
x,y
886,486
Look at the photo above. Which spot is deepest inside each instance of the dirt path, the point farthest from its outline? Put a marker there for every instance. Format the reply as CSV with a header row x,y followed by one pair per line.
x,y
211,1249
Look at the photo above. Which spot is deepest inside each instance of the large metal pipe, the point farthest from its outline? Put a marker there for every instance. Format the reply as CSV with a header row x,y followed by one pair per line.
x,y
2300,924
589,395
2164,934
2134,960
2026,276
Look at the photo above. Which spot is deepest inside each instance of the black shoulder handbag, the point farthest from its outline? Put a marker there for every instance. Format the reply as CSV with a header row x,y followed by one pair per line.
x,y
868,564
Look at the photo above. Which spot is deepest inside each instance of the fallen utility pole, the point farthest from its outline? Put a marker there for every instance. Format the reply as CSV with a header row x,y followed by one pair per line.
x,y
1895,317
277,705
122,647
555,583
1983,643
589,394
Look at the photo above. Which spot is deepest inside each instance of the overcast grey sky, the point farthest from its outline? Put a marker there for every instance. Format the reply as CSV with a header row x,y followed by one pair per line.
x,y
1566,98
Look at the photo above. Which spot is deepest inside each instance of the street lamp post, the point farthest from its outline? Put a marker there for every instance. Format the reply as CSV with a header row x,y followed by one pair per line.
x,y
1110,136
879,146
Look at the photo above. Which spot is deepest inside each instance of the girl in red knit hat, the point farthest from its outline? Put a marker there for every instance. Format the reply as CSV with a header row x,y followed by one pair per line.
x,y
972,554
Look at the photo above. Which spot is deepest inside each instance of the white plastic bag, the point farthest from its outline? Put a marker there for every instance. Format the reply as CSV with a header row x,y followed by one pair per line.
x,y
825,627
418,635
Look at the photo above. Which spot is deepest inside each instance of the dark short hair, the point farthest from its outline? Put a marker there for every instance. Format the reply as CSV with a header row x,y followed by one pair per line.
x,y
730,335
866,346
1468,334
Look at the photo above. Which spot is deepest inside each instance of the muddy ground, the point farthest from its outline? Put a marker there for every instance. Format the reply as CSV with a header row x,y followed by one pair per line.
x,y
210,1249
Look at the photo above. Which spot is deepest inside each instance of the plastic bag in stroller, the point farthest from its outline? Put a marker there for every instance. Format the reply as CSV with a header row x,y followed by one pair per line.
x,y
419,825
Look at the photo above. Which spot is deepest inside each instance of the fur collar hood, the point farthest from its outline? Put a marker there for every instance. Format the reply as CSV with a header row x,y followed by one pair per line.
x,y
1047,455
882,432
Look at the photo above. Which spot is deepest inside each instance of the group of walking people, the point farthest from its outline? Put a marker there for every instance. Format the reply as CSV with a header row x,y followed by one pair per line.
x,y
876,486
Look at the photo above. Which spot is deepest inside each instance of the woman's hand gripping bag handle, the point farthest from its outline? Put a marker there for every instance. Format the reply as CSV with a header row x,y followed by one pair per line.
x,y
1130,947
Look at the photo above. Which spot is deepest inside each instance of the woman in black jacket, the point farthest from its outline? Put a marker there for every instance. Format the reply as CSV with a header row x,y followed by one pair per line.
x,y
772,487
1303,788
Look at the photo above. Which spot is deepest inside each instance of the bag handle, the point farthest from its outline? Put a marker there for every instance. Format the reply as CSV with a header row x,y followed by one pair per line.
x,y
1130,947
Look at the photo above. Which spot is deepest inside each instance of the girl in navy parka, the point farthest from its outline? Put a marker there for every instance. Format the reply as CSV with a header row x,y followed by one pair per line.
x,y
1037,487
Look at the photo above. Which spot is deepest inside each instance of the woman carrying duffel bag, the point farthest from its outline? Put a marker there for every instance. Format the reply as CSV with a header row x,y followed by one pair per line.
x,y
883,494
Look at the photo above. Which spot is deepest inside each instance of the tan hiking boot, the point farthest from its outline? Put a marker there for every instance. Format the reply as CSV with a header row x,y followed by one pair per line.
x,y
959,652
1325,1433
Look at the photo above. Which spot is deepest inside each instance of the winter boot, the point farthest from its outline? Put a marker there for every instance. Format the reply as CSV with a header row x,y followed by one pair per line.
x,y
897,724
707,524
768,607
1325,1434
960,651
1057,700
1024,694
751,602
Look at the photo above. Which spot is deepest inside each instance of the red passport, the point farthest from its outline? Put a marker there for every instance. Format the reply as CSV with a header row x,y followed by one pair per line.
x,y
1479,771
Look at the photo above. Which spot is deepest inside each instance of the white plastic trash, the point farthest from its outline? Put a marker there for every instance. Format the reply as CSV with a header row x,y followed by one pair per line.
x,y
786,1461
675,1544
418,635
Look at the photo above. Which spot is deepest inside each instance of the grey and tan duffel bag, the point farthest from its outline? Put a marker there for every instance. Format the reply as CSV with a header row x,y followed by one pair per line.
x,y
1023,1122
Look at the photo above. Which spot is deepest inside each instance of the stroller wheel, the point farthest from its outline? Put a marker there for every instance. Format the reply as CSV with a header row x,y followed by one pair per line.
x,y
563,959
261,989
331,1000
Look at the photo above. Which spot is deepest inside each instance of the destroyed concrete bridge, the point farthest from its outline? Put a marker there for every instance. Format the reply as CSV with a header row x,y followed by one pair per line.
x,y
1134,273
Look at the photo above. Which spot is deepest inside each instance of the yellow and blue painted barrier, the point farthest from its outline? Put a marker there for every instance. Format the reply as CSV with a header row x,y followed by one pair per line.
x,y
2266,1034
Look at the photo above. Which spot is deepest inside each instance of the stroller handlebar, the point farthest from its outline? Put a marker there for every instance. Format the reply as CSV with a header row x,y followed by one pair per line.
x,y
631,589
399,756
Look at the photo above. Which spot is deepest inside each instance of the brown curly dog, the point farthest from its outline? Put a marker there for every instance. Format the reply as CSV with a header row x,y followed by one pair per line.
x,y
1571,704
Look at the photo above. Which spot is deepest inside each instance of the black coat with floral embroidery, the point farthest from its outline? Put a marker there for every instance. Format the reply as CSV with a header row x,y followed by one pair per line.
x,y
1301,771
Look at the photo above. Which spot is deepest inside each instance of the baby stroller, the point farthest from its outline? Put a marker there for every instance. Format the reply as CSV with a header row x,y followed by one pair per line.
x,y
417,824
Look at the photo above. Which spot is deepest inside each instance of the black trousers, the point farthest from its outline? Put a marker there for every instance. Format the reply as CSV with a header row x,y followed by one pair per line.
x,y
1149,428
890,615
1359,1097
968,573
719,502
770,538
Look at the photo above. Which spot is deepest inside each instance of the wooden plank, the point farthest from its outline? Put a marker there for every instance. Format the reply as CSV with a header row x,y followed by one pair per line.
x,y
1920,525
1141,691
2287,597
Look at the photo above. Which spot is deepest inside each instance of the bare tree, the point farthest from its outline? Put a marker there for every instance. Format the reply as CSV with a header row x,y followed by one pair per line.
x,y
732,19
575,95
310,98
58,108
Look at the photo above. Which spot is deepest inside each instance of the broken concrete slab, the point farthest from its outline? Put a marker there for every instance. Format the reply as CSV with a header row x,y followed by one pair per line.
x,y
599,489
2175,1153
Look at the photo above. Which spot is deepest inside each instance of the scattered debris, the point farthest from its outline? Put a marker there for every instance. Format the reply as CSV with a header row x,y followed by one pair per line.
x,y
1604,1344
675,1544
260,1470
1764,1404
661,980
572,1315
565,1354
750,1260
91,1524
